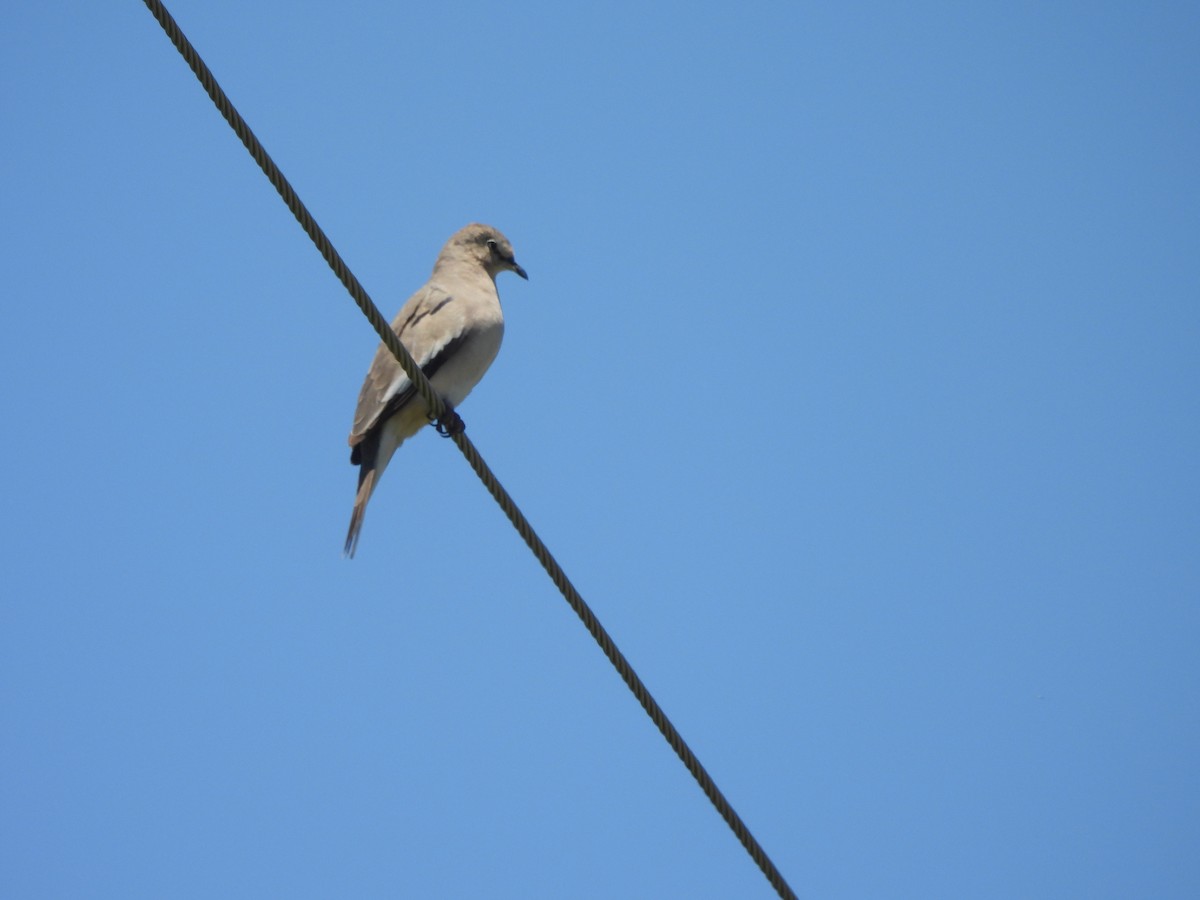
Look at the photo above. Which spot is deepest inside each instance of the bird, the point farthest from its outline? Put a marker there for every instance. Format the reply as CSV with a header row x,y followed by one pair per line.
x,y
452,326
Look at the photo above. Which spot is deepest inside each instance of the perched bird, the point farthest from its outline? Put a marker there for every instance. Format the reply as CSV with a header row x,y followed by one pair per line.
x,y
452,327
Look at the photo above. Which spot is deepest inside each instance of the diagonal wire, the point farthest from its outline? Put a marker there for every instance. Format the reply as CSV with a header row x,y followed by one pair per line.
x,y
438,411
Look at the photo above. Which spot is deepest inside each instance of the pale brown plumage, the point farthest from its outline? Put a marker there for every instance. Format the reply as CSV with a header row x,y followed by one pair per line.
x,y
452,327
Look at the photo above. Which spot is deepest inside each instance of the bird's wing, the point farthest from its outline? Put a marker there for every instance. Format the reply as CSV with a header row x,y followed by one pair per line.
x,y
430,338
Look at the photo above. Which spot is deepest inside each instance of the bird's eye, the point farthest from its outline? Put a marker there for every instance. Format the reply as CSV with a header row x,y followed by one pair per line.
x,y
491,245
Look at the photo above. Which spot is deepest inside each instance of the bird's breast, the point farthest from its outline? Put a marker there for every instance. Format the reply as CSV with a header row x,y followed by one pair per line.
x,y
454,380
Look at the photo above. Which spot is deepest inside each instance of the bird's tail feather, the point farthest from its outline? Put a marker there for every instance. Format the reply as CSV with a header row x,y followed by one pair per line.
x,y
366,486
374,455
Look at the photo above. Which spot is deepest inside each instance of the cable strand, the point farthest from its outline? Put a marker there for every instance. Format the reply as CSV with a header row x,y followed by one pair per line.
x,y
623,667
293,202
437,410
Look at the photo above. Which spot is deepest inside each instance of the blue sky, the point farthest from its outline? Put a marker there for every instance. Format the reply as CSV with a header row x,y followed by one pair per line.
x,y
856,386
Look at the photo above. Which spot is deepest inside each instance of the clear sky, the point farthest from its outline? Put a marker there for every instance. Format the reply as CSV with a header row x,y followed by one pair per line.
x,y
856,384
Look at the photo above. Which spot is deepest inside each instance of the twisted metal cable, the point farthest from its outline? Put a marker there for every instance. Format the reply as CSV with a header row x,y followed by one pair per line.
x,y
435,404
624,669
438,412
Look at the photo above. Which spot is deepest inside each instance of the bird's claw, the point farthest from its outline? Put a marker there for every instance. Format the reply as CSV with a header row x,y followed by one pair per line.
x,y
449,424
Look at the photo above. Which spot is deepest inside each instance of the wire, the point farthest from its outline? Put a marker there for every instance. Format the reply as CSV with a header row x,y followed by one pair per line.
x,y
438,411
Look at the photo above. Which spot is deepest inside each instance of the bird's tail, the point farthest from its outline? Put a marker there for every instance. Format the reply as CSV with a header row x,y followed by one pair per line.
x,y
366,485
372,456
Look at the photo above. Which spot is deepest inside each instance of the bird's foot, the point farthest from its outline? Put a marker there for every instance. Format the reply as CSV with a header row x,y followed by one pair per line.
x,y
449,424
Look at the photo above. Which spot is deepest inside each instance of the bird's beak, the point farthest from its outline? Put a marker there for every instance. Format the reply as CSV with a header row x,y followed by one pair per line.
x,y
519,270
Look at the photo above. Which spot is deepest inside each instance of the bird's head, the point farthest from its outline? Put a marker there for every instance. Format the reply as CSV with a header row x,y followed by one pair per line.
x,y
487,246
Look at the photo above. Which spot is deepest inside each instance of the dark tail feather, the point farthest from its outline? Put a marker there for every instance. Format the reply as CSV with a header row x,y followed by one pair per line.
x,y
366,485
